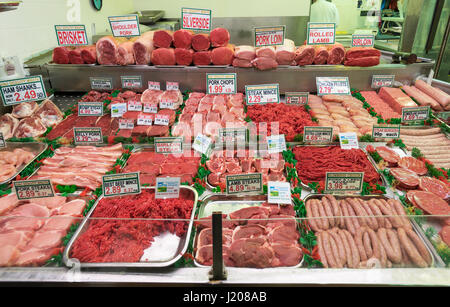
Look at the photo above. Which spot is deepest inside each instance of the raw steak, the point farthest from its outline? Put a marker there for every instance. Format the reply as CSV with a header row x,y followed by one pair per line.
x,y
388,155
219,37
60,55
222,55
202,58
363,62
286,255
89,54
304,55
414,165
254,253
434,185
184,56
163,56
431,203
75,56
163,38
182,38
408,179
201,42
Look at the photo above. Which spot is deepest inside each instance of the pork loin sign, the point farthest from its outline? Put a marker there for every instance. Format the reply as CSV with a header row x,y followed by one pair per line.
x,y
269,36
319,33
221,83
124,26
71,35
28,189
196,19
22,90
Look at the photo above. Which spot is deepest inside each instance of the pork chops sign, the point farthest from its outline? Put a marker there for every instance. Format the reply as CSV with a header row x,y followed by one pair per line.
x,y
71,35
196,19
269,36
319,33
221,83
22,90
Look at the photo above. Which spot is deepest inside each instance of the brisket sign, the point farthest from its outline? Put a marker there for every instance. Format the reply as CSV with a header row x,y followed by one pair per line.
x,y
71,35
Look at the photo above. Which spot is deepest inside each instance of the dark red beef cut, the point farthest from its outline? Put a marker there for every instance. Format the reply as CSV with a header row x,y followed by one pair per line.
x,y
201,42
248,231
253,252
283,233
163,56
220,37
336,54
147,168
184,56
304,55
182,38
163,38
244,214
204,255
62,127
89,55
202,58
104,122
158,131
75,56
222,55
205,237
177,168
286,255
363,62
60,55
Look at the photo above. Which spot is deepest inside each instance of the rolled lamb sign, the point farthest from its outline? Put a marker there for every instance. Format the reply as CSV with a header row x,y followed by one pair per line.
x,y
319,33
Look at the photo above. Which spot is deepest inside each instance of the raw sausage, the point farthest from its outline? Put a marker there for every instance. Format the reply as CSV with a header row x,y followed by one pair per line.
x,y
359,243
373,221
328,251
321,250
423,251
354,249
348,222
348,252
367,244
411,249
315,214
324,220
385,208
391,244
328,211
358,210
354,216
376,211
309,215
340,246
400,211
339,221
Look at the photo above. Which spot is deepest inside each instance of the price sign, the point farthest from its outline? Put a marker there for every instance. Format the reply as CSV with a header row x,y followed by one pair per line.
x,y
126,124
98,83
276,143
231,135
2,141
172,86
167,187
382,81
320,33
71,35
262,94
317,135
362,40
121,184
269,36
169,145
118,109
132,82
202,144
297,98
244,183
340,182
153,85
134,105
124,26
332,86
22,90
165,104
28,189
386,131
87,135
162,119
221,83
279,192
415,113
196,19
150,108
145,120
90,108
348,140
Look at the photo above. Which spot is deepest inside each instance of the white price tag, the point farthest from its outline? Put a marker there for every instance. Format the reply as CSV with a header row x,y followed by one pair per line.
x,y
118,109
71,35
167,187
332,86
134,106
202,144
269,36
29,189
341,182
153,85
169,145
172,86
22,90
382,81
126,124
221,83
319,33
386,131
317,135
276,143
86,108
348,140
145,120
164,104
262,94
132,82
121,184
195,19
124,26
279,192
162,119
150,108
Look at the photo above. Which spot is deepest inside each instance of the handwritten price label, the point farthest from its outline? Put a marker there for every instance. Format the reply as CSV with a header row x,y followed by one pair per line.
x,y
121,184
332,86
244,183
90,108
221,83
134,106
269,36
87,136
195,19
22,90
382,81
126,124
319,33
386,132
169,145
153,85
262,94
28,189
360,40
338,182
124,26
144,120
318,135
150,108
415,113
162,120
172,86
132,82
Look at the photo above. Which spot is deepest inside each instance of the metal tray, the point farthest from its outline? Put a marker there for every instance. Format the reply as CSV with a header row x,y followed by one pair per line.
x,y
383,181
227,204
35,148
183,245
435,258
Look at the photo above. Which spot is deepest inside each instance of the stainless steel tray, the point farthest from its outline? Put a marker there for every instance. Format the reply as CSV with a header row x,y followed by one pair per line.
x,y
227,204
183,245
435,258
35,148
